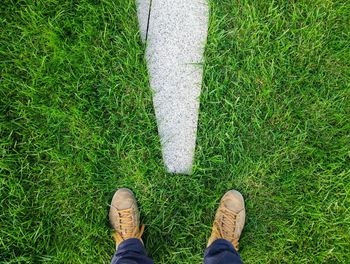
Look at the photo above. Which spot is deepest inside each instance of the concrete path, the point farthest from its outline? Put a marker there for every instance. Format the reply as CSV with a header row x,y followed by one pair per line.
x,y
175,33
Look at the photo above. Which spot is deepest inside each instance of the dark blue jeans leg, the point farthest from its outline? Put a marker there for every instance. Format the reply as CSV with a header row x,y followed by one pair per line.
x,y
221,252
131,251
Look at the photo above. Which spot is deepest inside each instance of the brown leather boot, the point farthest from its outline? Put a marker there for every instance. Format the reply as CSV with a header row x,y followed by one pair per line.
x,y
229,219
124,216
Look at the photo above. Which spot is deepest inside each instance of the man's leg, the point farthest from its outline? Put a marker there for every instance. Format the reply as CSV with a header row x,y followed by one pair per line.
x,y
124,218
221,252
131,251
227,228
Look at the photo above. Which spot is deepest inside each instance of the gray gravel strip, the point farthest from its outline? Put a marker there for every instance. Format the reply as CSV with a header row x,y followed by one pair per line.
x,y
176,36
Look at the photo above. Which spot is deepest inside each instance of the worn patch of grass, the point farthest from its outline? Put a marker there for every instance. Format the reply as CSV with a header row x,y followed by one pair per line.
x,y
77,122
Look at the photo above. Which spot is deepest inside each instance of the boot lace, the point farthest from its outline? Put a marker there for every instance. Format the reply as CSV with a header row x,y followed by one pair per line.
x,y
126,228
225,226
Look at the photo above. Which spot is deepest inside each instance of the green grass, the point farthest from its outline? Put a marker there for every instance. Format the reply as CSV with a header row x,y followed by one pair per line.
x,y
77,122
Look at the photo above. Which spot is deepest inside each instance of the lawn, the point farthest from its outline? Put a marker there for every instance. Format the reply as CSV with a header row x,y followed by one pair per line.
x,y
77,122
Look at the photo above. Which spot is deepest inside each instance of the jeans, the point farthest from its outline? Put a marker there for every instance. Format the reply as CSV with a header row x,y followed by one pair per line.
x,y
132,251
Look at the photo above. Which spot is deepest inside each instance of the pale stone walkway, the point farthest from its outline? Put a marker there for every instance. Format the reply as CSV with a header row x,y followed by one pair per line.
x,y
176,32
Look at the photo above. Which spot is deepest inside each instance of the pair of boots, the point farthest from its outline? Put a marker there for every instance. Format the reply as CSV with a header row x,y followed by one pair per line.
x,y
227,228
